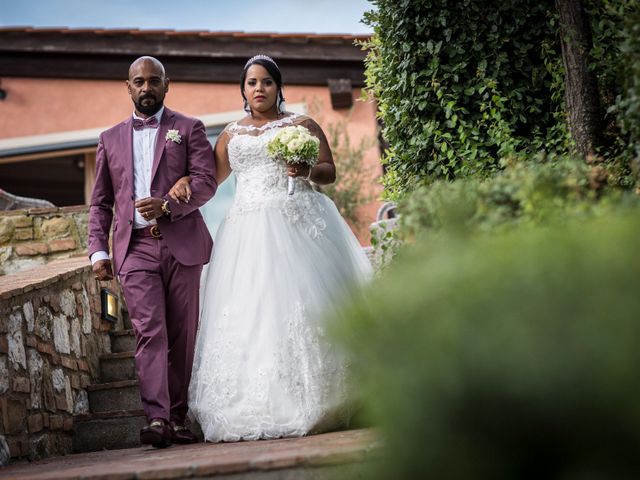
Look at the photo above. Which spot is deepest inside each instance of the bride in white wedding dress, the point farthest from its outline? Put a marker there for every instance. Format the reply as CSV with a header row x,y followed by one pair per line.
x,y
263,367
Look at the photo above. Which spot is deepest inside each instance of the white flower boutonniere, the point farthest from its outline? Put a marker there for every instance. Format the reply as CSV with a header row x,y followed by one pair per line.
x,y
174,136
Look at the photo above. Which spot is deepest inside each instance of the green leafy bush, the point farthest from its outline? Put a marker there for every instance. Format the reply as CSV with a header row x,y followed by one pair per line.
x,y
524,193
622,24
506,357
461,85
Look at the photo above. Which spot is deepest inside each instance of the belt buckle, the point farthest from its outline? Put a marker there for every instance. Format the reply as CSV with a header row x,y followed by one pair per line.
x,y
155,231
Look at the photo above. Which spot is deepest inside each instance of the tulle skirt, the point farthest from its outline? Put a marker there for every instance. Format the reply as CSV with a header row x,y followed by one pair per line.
x,y
264,367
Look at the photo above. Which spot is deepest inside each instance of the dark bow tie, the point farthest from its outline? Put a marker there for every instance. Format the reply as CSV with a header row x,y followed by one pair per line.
x,y
151,122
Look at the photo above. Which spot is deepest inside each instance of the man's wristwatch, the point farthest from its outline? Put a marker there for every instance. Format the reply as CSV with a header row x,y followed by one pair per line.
x,y
165,208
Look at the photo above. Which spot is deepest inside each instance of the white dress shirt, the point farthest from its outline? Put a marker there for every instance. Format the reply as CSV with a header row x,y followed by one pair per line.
x,y
144,147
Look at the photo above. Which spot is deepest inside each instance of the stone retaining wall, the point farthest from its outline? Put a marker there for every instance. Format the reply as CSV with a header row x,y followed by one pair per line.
x,y
51,337
33,237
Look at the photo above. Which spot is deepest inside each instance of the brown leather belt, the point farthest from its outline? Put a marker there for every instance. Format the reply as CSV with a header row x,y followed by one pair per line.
x,y
152,231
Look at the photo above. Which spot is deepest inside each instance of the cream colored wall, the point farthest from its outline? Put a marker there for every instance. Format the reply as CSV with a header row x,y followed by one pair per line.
x,y
41,106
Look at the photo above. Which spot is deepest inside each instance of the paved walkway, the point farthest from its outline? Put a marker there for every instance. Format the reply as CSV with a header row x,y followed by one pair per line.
x,y
203,459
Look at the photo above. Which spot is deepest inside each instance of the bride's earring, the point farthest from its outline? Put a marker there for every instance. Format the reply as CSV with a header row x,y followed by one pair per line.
x,y
246,106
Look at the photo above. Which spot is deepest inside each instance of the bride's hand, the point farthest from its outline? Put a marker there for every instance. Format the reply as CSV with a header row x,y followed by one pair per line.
x,y
181,191
298,170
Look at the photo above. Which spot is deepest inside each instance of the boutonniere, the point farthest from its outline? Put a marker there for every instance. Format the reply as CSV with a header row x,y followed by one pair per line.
x,y
174,136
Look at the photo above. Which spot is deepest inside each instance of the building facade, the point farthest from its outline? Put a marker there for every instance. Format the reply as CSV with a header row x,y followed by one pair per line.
x,y
59,88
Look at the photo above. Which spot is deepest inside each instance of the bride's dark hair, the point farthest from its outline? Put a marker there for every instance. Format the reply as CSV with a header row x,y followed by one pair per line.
x,y
271,67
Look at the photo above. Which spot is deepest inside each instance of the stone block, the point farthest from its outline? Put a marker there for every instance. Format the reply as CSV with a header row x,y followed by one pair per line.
x,y
44,323
68,392
5,452
62,245
67,424
61,402
31,249
5,254
4,375
84,366
35,377
15,447
75,382
27,310
31,342
56,227
17,354
38,447
7,228
57,379
54,303
44,347
77,286
56,422
61,334
74,337
86,312
45,420
85,381
20,234
22,221
68,303
21,385
48,397
69,363
36,423
14,415
81,403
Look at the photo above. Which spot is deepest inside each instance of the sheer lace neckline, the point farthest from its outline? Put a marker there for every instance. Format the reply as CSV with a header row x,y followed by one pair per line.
x,y
235,127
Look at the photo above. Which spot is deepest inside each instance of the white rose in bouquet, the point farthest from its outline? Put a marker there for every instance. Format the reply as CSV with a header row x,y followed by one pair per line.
x,y
294,144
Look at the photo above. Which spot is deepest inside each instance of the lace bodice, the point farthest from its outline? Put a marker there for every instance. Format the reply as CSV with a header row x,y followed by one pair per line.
x,y
262,181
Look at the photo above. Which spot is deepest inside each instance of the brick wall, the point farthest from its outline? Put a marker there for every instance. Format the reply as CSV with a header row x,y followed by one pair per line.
x,y
51,337
32,237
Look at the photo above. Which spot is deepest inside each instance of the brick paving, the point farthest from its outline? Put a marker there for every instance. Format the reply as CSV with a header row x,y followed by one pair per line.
x,y
41,276
204,459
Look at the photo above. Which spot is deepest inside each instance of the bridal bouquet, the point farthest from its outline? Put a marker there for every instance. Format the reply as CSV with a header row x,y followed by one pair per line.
x,y
294,145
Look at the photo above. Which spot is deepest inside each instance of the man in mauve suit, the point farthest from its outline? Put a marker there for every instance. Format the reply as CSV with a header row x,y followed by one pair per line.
x,y
158,245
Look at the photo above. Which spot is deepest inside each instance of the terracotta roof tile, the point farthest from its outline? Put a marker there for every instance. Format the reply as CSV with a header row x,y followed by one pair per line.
x,y
294,37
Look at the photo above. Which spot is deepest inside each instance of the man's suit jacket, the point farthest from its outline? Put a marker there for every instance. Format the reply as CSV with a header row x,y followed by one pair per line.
x,y
184,231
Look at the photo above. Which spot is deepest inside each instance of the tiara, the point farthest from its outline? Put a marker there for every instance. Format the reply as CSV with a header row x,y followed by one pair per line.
x,y
260,57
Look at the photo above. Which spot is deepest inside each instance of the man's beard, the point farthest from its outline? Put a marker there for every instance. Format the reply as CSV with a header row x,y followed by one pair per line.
x,y
148,109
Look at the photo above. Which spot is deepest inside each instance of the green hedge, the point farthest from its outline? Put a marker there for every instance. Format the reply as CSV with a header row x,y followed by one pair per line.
x,y
624,107
461,84
506,357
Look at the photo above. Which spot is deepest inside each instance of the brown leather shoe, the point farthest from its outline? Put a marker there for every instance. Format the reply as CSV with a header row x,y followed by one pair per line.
x,y
157,434
181,434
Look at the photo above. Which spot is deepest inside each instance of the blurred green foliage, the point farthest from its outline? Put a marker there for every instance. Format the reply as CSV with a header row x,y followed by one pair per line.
x,y
509,356
531,193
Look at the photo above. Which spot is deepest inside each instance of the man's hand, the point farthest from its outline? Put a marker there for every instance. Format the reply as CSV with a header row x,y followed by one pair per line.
x,y
181,191
102,270
150,207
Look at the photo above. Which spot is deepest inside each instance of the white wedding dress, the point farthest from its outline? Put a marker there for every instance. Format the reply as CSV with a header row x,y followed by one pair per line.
x,y
263,366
